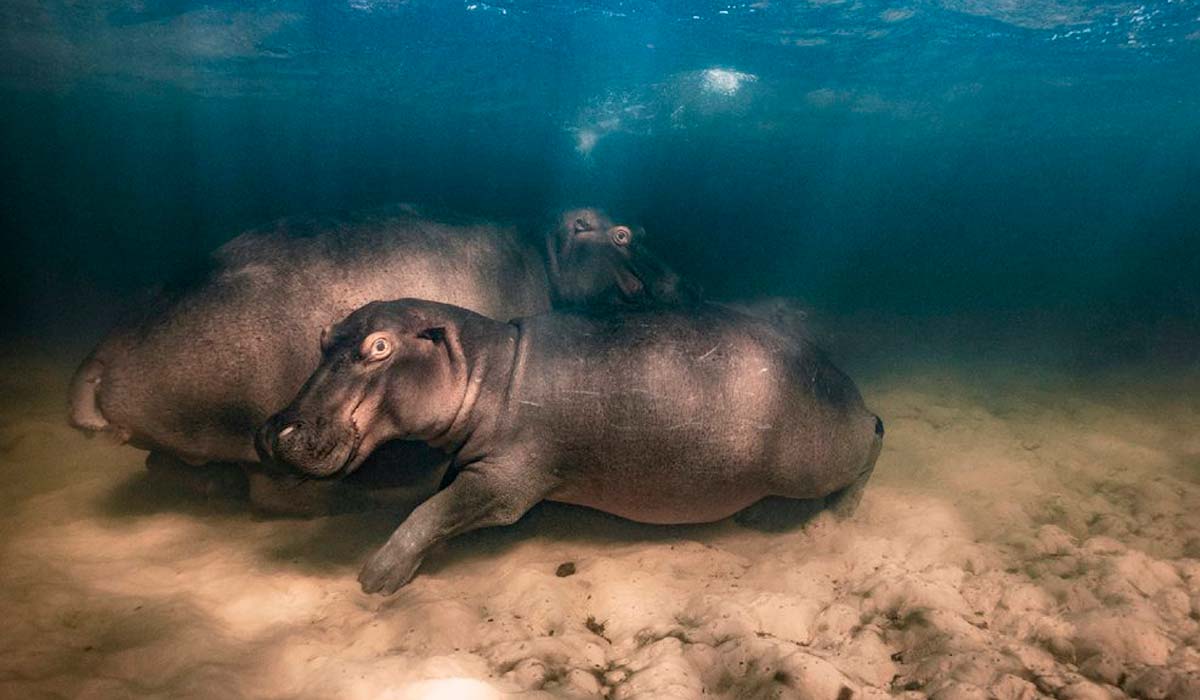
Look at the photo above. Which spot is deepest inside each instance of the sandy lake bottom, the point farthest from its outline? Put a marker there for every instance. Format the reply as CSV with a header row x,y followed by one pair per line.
x,y
1028,533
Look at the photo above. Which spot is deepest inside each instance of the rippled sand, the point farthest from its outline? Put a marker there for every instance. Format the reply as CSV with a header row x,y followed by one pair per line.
x,y
1027,533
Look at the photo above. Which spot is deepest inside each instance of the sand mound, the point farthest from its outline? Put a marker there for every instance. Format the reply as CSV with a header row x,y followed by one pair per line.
x,y
1025,536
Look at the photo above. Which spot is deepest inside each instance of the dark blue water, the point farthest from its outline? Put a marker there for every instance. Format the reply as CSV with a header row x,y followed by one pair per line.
x,y
977,158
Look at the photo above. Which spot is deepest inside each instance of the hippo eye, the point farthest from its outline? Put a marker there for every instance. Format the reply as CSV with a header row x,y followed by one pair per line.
x,y
581,226
377,347
621,235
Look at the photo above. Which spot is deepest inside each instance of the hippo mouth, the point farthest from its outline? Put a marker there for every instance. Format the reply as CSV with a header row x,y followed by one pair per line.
x,y
84,411
344,465
351,462
646,278
357,438
321,441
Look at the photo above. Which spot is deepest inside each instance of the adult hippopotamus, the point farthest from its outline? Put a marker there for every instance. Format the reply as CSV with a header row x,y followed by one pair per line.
x,y
194,375
660,415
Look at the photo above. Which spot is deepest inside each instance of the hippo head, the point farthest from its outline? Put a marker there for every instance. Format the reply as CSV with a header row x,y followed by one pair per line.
x,y
371,362
593,260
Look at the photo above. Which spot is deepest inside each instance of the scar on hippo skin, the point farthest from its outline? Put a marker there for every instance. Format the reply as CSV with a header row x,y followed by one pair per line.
x,y
540,409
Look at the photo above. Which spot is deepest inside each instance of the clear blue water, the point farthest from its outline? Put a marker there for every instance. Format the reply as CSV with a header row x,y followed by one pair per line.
x,y
968,157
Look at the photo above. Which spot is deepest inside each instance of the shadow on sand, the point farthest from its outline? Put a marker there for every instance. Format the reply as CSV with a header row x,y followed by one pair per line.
x,y
147,493
346,535
344,540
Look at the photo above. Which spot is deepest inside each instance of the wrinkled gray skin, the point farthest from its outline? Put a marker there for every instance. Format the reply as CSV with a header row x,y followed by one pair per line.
x,y
195,376
667,415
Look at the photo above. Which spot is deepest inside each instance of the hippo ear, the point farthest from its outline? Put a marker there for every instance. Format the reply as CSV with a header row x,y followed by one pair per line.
x,y
437,335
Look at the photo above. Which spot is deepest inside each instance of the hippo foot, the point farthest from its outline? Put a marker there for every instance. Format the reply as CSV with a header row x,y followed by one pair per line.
x,y
388,570
216,480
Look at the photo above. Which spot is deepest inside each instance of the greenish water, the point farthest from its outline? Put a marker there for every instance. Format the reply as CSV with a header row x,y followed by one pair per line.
x,y
930,159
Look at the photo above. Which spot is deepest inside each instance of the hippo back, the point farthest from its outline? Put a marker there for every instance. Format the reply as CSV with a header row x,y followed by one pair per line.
x,y
208,363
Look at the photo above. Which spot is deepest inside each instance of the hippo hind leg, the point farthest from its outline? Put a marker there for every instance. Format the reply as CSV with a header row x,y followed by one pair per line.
x,y
778,513
843,503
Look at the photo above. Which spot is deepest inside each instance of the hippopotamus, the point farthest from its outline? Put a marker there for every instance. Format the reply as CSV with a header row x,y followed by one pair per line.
x,y
194,375
663,415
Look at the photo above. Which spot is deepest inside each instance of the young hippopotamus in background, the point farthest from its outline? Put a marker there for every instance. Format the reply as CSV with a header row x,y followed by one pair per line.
x,y
660,415
196,374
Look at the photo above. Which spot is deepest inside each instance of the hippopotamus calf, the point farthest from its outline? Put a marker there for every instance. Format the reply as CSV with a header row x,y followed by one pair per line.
x,y
661,415
199,371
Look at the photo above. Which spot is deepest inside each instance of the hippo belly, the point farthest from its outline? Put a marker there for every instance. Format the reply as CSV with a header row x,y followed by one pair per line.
x,y
645,501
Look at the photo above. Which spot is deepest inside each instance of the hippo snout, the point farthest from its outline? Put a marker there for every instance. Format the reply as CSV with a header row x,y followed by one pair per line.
x,y
313,448
83,403
277,437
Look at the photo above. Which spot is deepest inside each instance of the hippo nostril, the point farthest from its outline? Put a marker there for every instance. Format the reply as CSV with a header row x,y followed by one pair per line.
x,y
269,439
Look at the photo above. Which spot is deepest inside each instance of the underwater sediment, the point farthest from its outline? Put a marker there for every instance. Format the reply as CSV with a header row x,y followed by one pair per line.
x,y
1029,532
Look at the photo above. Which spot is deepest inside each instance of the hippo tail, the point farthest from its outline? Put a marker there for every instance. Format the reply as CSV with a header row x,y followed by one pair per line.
x,y
83,398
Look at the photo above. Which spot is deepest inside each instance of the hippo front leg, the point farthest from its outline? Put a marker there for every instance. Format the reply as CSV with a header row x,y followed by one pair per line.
x,y
480,496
